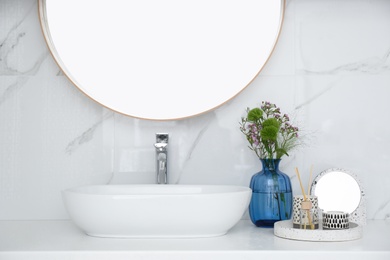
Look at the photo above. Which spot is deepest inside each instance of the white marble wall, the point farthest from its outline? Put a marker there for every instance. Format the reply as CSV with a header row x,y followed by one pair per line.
x,y
330,70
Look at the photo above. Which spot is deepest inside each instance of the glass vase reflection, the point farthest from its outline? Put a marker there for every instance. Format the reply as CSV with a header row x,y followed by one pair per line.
x,y
271,195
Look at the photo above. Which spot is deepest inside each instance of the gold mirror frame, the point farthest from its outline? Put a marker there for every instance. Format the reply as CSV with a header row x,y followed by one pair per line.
x,y
169,100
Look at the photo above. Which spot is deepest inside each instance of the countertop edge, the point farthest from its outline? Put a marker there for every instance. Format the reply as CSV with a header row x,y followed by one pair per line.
x,y
61,240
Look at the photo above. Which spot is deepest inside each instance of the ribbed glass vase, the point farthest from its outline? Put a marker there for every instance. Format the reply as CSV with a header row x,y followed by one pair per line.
x,y
271,195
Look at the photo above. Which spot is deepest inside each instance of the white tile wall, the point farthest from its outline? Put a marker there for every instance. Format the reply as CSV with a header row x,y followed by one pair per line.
x,y
330,70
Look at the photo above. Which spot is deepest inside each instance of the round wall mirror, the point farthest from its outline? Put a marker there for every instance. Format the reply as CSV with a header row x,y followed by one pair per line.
x,y
339,190
161,59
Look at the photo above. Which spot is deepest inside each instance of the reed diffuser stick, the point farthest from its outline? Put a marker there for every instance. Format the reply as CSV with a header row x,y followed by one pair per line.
x,y
304,196
300,183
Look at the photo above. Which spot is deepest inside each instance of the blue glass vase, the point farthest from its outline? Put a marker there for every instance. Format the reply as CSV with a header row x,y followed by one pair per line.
x,y
271,195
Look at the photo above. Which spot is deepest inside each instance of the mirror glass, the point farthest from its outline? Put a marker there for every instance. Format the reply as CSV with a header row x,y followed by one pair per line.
x,y
161,59
337,190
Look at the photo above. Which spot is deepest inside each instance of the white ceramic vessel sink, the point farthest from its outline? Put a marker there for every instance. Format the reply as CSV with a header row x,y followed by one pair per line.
x,y
156,211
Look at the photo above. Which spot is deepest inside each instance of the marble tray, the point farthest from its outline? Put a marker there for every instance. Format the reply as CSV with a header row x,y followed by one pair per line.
x,y
284,229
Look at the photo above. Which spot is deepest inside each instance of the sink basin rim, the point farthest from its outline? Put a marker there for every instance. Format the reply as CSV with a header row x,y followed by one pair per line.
x,y
129,190
131,211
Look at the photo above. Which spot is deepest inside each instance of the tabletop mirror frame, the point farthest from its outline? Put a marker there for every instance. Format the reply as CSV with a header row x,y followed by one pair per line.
x,y
358,216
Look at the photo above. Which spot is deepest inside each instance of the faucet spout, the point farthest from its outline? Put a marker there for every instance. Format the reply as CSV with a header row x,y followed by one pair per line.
x,y
162,168
161,158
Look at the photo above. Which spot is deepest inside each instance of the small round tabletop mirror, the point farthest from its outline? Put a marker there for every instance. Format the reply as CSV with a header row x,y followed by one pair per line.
x,y
340,190
161,59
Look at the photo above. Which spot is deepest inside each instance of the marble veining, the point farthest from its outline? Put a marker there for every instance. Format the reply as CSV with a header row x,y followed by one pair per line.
x,y
6,47
373,65
86,135
316,96
11,89
382,208
330,69
13,42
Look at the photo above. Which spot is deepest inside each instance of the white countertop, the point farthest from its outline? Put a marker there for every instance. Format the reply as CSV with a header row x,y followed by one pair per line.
x,y
62,240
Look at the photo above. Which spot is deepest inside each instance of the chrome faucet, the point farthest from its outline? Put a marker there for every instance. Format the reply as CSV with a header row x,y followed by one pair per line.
x,y
161,158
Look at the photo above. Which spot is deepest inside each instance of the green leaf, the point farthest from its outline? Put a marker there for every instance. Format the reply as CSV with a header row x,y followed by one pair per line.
x,y
282,198
271,122
269,133
280,152
255,114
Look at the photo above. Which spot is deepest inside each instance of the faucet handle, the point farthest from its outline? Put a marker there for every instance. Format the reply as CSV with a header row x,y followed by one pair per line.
x,y
162,138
